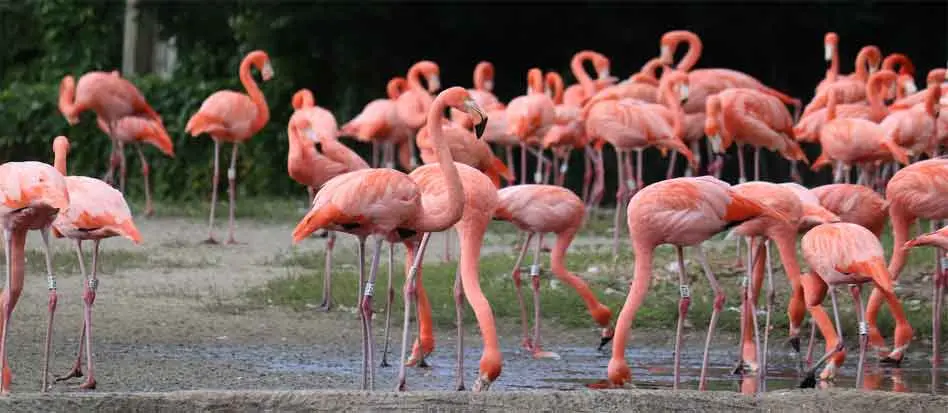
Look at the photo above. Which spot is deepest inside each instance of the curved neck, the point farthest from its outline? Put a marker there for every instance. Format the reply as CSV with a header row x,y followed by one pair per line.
x,y
650,69
579,72
673,103
394,87
448,214
555,84
303,99
59,160
67,98
833,72
414,78
637,292
534,81
482,75
932,98
693,54
831,105
256,96
862,63
875,94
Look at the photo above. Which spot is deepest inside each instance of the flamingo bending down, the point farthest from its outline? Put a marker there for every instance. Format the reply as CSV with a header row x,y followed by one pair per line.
x,y
682,212
539,209
96,211
857,204
111,97
315,156
919,190
845,253
378,122
232,117
393,205
31,195
748,116
586,87
137,130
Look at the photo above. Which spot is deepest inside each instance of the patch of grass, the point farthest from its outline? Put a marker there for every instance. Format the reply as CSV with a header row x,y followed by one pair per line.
x,y
66,264
261,209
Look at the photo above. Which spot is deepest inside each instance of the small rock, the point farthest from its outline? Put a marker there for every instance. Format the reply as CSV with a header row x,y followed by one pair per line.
x,y
594,269
611,291
222,337
554,284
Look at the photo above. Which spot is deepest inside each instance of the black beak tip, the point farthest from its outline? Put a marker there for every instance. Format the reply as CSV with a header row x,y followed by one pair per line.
x,y
795,343
319,146
480,128
809,381
603,341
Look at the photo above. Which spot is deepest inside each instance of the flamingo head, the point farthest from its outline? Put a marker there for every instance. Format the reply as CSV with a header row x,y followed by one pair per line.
x,y
830,42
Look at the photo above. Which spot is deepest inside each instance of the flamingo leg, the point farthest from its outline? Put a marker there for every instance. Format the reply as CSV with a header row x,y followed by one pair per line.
x,y
538,173
365,337
696,150
122,165
447,245
683,304
535,278
811,344
375,154
715,312
459,319
214,179
232,193
556,169
508,150
639,182
109,176
620,197
149,211
326,304
77,368
740,164
368,359
856,290
757,167
770,306
523,163
938,293
51,282
750,347
599,182
88,298
587,175
670,172
410,296
527,342
390,296
7,303
839,328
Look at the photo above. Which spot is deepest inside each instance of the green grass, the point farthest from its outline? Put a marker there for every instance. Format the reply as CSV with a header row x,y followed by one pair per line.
x,y
261,209
65,263
301,288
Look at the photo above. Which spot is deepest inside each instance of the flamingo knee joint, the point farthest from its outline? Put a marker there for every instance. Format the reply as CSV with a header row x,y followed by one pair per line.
x,y
231,174
93,284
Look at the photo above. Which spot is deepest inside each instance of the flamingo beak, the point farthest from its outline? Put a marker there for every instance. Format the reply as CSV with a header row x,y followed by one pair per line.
x,y
478,117
267,72
828,52
665,54
434,83
683,92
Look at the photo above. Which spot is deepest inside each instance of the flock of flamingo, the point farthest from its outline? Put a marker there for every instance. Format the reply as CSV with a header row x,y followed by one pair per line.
x,y
460,186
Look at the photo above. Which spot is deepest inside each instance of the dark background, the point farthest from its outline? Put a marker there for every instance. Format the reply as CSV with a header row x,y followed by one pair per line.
x,y
346,53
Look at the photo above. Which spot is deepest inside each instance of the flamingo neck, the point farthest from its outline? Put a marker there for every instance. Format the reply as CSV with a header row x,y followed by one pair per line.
x,y
674,104
932,98
256,96
414,79
637,292
59,161
833,72
831,105
67,99
448,214
482,77
579,72
693,54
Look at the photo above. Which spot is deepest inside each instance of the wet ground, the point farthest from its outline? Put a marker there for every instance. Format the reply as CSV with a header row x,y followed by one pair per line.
x,y
159,327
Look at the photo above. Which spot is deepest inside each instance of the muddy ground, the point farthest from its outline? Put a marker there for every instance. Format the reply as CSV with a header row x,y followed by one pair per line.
x,y
171,315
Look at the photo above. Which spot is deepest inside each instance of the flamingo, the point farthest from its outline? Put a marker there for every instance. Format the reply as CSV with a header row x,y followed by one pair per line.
x,y
809,126
915,128
529,118
539,209
856,141
857,204
629,125
465,148
232,117
566,134
906,73
31,195
916,191
392,205
412,105
137,130
578,94
682,212
749,116
852,86
482,93
315,156
846,253
378,123
112,98
96,211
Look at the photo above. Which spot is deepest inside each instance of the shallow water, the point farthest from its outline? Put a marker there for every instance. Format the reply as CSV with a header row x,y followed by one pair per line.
x,y
315,367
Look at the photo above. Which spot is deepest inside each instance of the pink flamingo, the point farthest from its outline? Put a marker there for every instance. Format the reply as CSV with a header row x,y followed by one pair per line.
x,y
809,126
530,117
412,105
851,86
96,211
315,156
845,253
137,130
566,134
682,212
31,195
915,128
232,117
578,94
857,204
379,123
747,116
539,209
394,206
465,148
632,126
916,191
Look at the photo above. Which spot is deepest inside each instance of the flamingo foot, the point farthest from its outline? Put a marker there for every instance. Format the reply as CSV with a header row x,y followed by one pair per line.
x,y
744,367
829,372
794,343
481,384
324,308
75,372
893,359
537,354
210,241
527,344
233,241
149,211
89,384
384,363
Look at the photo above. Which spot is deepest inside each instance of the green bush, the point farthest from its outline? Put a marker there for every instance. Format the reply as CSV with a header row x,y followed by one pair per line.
x,y
30,119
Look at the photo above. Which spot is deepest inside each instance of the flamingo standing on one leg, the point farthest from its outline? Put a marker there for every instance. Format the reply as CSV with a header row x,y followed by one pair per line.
x,y
539,209
391,204
682,212
919,190
315,156
31,195
96,211
232,117
845,253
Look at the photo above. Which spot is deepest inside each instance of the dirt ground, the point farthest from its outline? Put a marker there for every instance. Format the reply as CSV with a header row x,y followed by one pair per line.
x,y
164,324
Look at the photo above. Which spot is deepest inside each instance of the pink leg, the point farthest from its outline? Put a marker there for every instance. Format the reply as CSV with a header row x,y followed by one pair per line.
x,y
535,278
715,312
811,344
6,300
757,163
368,358
671,165
122,165
114,161
77,367
863,331
88,298
459,319
409,297
527,342
51,281
214,179
523,163
232,192
447,244
683,303
149,211
587,176
326,304
620,197
388,304
510,160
